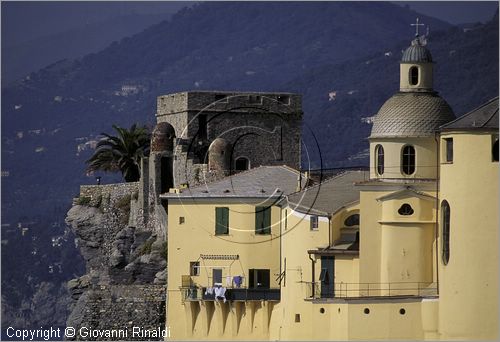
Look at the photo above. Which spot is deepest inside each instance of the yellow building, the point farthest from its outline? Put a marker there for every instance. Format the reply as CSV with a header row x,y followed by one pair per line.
x,y
468,236
406,250
226,235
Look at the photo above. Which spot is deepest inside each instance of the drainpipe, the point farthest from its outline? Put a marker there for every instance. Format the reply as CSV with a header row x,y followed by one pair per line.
x,y
312,277
330,231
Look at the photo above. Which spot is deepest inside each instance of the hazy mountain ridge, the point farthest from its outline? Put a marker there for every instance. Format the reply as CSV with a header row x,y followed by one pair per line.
x,y
24,52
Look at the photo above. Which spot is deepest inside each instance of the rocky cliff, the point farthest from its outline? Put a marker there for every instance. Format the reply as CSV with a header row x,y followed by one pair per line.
x,y
124,284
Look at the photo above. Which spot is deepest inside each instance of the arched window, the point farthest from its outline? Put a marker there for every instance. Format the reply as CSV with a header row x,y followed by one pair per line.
x,y
352,220
408,160
445,223
414,75
406,210
242,164
379,153
495,151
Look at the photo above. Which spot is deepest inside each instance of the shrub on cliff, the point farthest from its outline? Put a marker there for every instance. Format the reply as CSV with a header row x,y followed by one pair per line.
x,y
121,153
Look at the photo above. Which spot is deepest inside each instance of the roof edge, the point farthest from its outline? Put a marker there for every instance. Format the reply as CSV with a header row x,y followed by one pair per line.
x,y
444,127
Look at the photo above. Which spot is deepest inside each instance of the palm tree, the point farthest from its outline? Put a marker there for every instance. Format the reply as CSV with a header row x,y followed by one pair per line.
x,y
122,152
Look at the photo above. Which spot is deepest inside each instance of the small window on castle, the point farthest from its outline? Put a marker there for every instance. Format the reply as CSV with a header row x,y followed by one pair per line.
x,y
495,150
352,220
202,126
194,268
414,75
255,99
182,220
314,222
242,164
285,99
297,318
449,150
379,152
221,97
406,210
408,160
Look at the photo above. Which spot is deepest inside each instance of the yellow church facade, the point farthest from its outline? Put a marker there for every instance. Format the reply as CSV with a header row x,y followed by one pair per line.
x,y
406,250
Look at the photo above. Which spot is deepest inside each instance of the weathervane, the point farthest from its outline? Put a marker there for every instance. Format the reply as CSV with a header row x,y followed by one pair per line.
x,y
416,28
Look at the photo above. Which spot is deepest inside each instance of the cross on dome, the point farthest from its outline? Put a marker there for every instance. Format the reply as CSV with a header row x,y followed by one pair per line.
x,y
416,26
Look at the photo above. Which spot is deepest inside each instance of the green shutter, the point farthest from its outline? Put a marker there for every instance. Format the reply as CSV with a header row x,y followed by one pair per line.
x,y
221,220
262,220
258,220
267,221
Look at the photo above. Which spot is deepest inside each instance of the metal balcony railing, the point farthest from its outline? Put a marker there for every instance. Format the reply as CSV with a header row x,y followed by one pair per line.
x,y
355,290
195,293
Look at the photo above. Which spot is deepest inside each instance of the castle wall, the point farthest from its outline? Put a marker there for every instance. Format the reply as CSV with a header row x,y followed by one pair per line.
x,y
266,131
106,190
120,308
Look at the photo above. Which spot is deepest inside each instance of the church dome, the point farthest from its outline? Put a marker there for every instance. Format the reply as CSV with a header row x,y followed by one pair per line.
x,y
416,53
411,114
162,138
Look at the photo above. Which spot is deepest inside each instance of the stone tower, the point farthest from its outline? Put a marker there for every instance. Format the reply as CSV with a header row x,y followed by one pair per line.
x,y
219,133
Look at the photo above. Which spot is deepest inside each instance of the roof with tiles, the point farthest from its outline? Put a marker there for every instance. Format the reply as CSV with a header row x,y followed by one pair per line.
x,y
329,196
261,182
484,117
411,114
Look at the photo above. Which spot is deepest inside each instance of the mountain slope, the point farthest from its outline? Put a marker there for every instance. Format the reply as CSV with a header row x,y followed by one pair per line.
x,y
20,59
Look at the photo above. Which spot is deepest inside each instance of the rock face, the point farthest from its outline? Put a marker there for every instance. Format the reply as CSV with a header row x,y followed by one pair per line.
x,y
124,285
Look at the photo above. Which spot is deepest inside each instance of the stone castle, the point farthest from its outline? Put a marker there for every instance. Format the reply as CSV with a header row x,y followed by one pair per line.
x,y
207,135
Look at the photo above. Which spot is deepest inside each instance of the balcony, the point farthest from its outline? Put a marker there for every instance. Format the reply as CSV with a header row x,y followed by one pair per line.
x,y
194,293
364,290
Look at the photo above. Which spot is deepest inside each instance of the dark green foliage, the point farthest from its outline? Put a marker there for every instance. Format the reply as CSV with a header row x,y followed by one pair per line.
x,y
83,200
122,152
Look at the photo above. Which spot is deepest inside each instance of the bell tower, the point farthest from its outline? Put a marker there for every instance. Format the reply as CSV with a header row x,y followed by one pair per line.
x,y
398,204
416,67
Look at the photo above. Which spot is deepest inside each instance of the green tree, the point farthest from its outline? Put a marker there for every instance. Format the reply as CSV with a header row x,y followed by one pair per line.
x,y
121,153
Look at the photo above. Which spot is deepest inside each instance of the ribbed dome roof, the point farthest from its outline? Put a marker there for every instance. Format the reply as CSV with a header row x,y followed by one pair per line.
x,y
411,115
417,53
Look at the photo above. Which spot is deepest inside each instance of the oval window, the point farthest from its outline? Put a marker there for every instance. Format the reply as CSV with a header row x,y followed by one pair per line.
x,y
379,151
413,75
